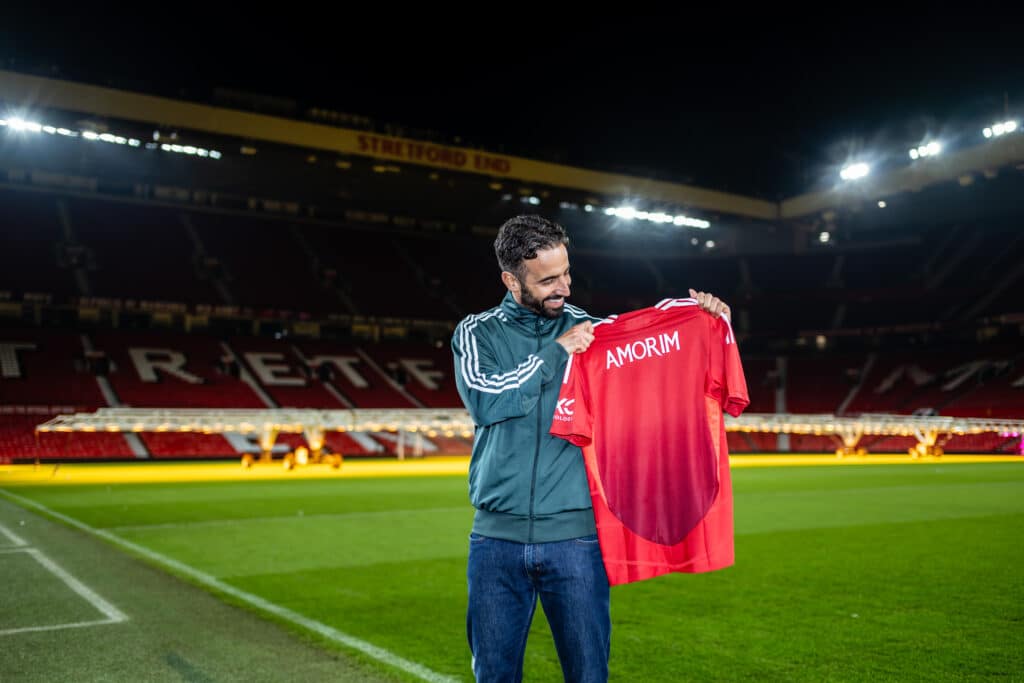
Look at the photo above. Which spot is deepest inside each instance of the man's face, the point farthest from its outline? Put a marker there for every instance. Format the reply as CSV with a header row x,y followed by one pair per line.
x,y
545,282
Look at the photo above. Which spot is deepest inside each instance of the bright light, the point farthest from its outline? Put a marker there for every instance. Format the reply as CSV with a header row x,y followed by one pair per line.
x,y
67,133
1001,128
3,122
588,208
49,129
855,171
214,154
134,143
534,200
930,150
691,222
824,237
710,244
89,135
629,213
23,125
882,204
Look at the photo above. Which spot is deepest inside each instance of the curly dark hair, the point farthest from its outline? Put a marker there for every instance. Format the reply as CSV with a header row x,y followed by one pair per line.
x,y
521,237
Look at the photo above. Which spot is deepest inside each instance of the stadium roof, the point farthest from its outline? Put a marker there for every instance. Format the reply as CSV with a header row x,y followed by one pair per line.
x,y
762,111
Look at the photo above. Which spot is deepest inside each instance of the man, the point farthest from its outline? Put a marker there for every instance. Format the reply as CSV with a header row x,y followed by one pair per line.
x,y
533,531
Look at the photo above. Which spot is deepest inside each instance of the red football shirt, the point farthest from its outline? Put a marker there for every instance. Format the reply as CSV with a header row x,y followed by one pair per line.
x,y
645,404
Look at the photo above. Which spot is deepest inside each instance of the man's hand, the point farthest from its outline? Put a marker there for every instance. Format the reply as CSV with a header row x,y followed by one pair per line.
x,y
712,304
578,339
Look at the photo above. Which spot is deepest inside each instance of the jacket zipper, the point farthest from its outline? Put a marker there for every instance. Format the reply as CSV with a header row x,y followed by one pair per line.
x,y
536,449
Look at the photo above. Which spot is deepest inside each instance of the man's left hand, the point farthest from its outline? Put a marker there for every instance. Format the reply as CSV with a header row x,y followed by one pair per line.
x,y
711,303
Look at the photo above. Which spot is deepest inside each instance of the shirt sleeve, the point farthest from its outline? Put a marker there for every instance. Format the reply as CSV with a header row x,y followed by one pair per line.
x,y
725,382
572,420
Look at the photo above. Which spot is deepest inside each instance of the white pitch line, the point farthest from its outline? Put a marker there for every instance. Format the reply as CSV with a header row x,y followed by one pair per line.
x,y
112,614
57,627
15,539
329,632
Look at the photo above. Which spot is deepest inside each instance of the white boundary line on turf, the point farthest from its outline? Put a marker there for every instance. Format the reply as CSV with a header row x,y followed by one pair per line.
x,y
113,615
328,632
15,539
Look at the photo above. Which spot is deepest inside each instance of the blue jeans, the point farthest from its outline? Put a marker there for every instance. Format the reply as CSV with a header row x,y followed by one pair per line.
x,y
505,580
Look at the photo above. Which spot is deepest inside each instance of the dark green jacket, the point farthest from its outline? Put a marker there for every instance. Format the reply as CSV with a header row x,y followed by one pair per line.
x,y
526,485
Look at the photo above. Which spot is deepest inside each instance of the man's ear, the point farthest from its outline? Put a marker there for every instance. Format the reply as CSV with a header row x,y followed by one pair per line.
x,y
511,281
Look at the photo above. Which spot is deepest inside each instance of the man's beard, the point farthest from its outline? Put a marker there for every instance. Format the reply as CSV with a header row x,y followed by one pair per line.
x,y
537,305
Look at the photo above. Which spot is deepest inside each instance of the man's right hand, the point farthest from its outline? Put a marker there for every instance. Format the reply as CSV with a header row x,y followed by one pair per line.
x,y
578,339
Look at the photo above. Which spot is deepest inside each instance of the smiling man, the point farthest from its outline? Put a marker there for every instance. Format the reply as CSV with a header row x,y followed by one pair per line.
x,y
533,532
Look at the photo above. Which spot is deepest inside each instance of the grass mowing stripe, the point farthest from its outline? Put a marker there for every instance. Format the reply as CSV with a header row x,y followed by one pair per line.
x,y
368,649
280,518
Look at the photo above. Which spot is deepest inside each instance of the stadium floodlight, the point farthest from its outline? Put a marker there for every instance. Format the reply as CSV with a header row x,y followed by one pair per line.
x,y
588,208
923,151
132,142
609,212
824,237
214,154
855,171
999,129
535,201
49,129
3,122
89,135
642,215
625,212
882,204
710,244
22,125
67,133
691,222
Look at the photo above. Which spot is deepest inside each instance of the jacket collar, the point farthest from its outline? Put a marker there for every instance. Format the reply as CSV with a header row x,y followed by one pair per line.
x,y
526,317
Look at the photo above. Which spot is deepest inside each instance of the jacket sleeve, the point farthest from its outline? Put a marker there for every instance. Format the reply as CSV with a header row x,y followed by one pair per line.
x,y
493,392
